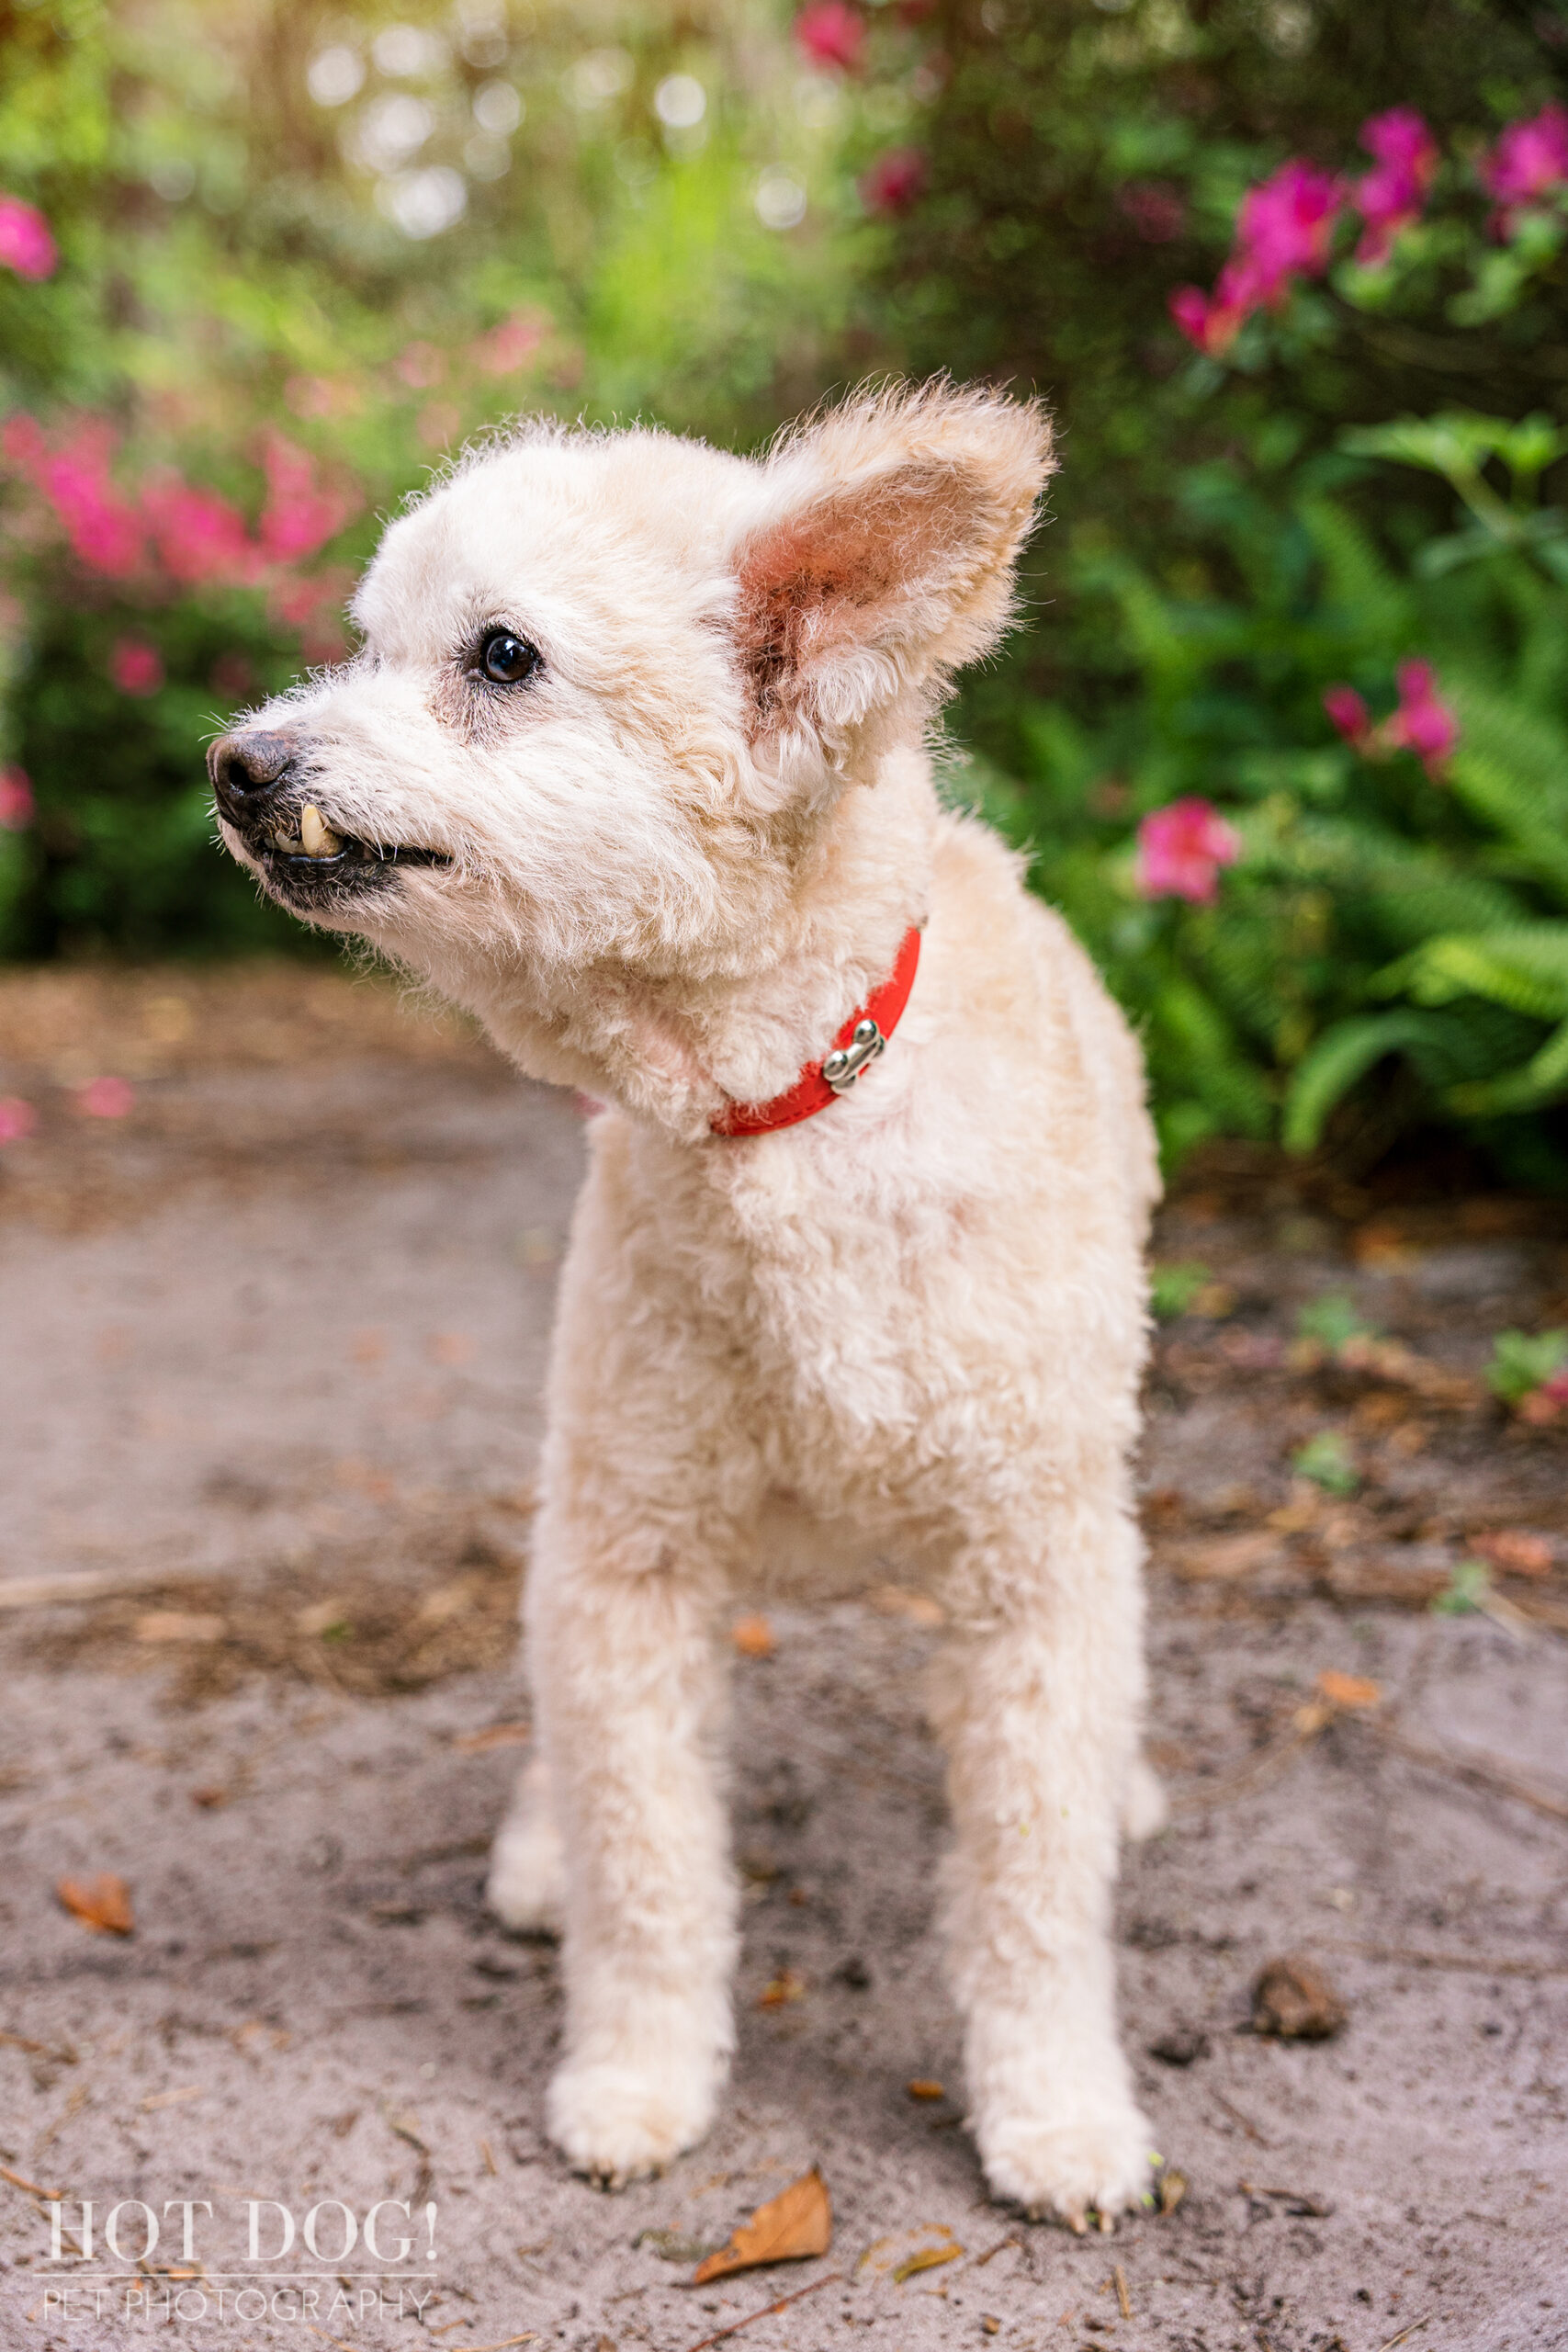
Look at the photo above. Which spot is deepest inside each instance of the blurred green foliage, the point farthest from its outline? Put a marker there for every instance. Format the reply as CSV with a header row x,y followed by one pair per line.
x,y
375,232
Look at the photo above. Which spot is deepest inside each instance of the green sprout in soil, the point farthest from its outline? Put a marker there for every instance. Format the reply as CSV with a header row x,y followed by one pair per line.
x,y
1326,1460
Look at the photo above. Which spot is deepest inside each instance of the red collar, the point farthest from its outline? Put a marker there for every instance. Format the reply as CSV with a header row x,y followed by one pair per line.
x,y
857,1044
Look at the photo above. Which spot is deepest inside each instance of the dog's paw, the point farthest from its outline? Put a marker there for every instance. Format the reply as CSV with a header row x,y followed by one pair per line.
x,y
1144,1807
1100,2162
617,2123
526,1887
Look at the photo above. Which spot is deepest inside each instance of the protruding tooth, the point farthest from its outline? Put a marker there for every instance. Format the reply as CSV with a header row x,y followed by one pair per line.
x,y
318,839
290,843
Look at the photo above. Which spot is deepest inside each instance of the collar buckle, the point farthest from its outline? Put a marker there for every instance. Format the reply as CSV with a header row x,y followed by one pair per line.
x,y
843,1067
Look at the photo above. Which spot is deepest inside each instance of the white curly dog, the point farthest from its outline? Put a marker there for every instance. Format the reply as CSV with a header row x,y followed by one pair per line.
x,y
633,765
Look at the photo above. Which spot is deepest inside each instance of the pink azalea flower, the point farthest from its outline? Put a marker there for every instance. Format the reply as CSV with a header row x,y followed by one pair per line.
x,y
1286,226
1180,851
511,345
299,515
1422,723
1349,713
1204,320
1529,161
104,530
830,33
16,1118
1285,229
136,668
198,536
22,442
106,1098
1547,1403
16,799
25,245
894,182
1389,197
420,366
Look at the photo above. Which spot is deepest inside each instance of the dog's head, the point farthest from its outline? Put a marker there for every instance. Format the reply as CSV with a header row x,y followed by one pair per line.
x,y
613,685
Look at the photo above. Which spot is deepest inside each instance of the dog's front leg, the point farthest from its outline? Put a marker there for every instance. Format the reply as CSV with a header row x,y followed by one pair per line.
x,y
1038,1711
630,1695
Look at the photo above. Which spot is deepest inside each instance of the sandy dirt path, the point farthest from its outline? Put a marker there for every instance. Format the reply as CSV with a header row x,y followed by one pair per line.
x,y
272,1350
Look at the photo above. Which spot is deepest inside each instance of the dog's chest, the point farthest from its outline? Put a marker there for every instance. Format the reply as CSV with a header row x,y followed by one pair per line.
x,y
850,1301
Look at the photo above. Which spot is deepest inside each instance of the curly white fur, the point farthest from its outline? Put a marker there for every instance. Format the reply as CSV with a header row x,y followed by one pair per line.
x,y
913,1325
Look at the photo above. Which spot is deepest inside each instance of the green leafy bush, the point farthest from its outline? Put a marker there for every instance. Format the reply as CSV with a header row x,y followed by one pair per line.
x,y
1314,820
1523,1362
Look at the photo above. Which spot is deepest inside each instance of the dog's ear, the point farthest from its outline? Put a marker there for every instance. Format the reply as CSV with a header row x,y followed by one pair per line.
x,y
883,557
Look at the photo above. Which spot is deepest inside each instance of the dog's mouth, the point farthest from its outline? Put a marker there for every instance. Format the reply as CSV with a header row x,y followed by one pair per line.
x,y
303,859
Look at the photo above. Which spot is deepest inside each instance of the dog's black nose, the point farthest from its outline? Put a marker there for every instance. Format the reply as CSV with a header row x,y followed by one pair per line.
x,y
246,770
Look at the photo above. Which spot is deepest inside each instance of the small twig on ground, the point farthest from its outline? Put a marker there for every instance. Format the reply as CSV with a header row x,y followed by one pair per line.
x,y
1477,1963
1123,2300
1260,1767
64,2056
1236,2116
1405,2331
1000,2246
782,2306
96,1584
1480,1774
21,2180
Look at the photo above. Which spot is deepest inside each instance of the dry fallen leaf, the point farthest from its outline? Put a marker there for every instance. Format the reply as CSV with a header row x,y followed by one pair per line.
x,y
904,2252
1348,1690
786,1986
178,1625
929,2257
1230,1558
1293,1999
922,2088
475,1743
753,1637
102,1903
1172,2188
1515,1552
919,1608
792,2226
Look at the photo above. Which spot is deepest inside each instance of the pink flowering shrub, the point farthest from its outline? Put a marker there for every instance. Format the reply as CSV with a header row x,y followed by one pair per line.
x,y
1529,161
16,799
1284,230
172,534
512,345
830,33
1420,722
1180,849
896,181
17,1118
1286,225
136,667
1391,197
26,243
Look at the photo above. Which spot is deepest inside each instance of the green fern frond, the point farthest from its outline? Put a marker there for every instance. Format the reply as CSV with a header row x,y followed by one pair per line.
x,y
1356,576
1543,1079
1342,1056
1524,968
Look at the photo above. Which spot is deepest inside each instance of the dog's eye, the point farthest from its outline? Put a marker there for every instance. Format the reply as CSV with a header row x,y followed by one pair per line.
x,y
505,659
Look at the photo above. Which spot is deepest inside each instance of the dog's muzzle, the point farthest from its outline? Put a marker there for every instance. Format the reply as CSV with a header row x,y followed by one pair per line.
x,y
262,781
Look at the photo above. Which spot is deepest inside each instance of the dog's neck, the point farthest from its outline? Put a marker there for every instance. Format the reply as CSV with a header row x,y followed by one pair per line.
x,y
673,1047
